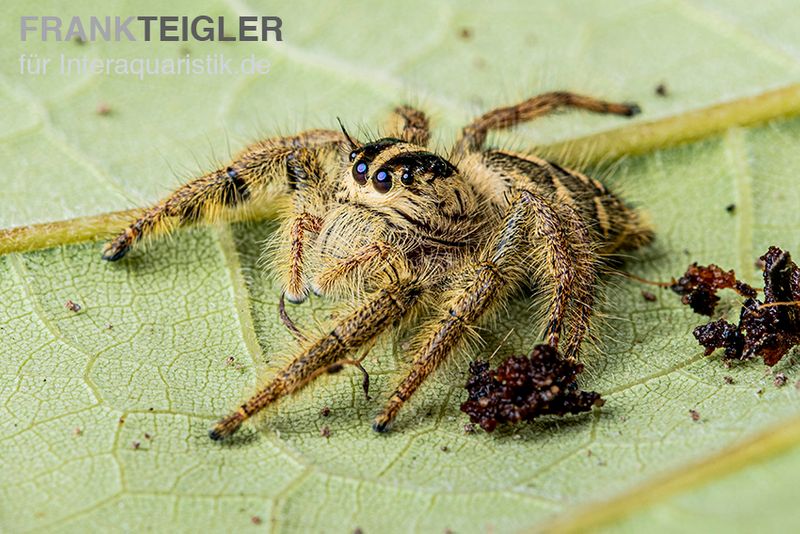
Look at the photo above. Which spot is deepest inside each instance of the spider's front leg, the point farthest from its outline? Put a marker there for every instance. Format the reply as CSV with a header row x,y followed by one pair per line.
x,y
534,229
262,172
386,308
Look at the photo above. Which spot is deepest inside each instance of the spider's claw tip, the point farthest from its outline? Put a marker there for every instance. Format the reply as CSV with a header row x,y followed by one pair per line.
x,y
227,426
296,298
633,109
380,426
113,253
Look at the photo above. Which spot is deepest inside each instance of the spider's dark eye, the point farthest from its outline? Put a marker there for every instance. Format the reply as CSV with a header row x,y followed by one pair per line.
x,y
360,173
353,155
382,181
407,178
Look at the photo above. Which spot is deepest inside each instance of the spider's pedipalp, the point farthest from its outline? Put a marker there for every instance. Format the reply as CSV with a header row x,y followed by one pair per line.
x,y
296,287
262,172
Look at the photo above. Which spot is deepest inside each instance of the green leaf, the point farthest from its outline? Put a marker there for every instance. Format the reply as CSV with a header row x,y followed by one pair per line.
x,y
146,359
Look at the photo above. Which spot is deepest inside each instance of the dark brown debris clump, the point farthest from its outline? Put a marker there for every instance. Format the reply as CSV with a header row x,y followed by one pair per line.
x,y
523,388
768,329
699,285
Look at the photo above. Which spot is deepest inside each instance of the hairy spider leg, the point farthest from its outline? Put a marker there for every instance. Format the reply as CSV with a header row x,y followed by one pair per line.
x,y
474,134
531,220
369,321
261,172
411,125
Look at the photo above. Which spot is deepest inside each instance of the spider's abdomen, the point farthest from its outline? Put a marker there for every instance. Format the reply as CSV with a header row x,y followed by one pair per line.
x,y
615,225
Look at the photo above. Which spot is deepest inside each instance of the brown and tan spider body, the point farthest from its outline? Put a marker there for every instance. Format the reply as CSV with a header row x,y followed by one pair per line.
x,y
415,238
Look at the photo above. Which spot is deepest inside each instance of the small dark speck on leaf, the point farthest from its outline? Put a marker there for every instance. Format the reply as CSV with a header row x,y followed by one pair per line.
x,y
730,208
256,520
148,436
358,530
728,379
122,420
648,296
780,380
103,109
78,40
136,445
109,326
72,306
695,415
325,432
465,34
230,360
77,431
469,428
325,412
760,392
662,90
444,448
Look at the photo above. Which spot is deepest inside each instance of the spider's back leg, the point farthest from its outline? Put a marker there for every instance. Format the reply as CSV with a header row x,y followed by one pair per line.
x,y
614,225
262,172
474,134
411,125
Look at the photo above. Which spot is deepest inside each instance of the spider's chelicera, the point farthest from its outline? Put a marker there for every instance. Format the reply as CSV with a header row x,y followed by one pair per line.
x,y
415,238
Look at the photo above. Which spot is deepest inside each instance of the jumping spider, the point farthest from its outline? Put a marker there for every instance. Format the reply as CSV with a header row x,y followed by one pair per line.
x,y
414,237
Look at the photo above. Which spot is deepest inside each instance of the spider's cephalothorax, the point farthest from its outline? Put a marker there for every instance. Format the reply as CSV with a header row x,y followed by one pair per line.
x,y
416,239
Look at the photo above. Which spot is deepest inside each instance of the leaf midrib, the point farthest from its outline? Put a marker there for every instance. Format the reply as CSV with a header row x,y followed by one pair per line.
x,y
634,139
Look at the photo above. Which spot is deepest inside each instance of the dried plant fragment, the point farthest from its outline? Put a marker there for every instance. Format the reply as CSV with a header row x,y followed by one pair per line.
x,y
523,388
699,285
768,329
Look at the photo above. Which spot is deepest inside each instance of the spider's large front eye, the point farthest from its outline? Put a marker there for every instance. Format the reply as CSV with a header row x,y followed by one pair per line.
x,y
382,181
360,173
